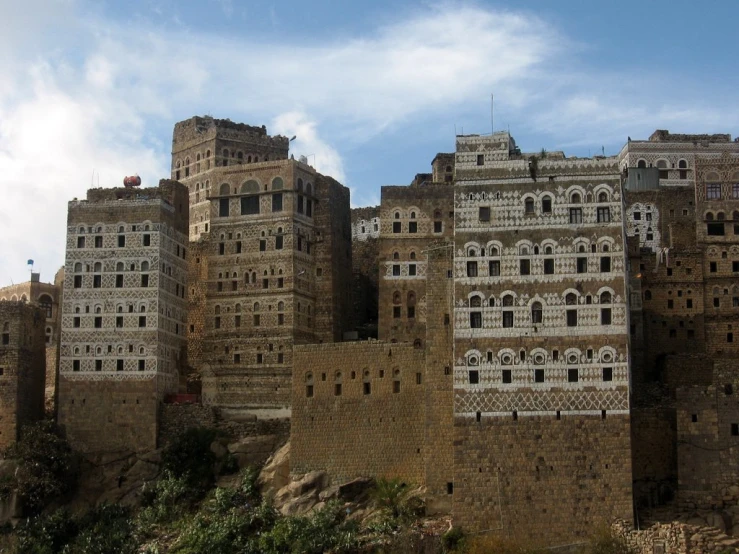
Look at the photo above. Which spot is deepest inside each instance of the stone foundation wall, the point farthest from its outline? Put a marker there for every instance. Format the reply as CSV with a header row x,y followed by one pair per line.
x,y
540,478
654,455
373,427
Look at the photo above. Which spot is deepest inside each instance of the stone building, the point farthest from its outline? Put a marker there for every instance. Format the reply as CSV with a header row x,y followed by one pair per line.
x,y
47,296
541,373
22,367
681,209
365,270
277,273
124,314
202,144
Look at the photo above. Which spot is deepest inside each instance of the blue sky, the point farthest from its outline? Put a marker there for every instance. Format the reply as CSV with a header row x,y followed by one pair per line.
x,y
373,89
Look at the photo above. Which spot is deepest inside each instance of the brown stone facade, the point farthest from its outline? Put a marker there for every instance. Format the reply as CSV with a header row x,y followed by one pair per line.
x,y
124,315
22,367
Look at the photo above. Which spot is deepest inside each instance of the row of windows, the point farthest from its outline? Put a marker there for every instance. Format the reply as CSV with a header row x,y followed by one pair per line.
x,y
256,320
99,349
119,364
713,191
508,321
366,382
237,156
539,375
539,356
256,308
477,300
259,359
250,205
548,266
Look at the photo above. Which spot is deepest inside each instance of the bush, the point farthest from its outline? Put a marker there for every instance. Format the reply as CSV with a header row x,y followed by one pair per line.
x,y
103,530
453,539
45,535
605,541
392,497
190,456
47,466
165,500
325,531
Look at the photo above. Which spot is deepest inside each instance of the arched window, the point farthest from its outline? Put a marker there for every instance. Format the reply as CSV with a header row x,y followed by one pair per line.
x,y
602,196
45,302
396,297
250,187
225,155
641,164
237,308
277,183
709,216
536,312
647,295
78,267
605,298
413,215
411,298
225,189
97,268
280,306
720,216
508,300
396,256
529,206
413,255
571,299
144,266
397,215
575,198
256,306
475,301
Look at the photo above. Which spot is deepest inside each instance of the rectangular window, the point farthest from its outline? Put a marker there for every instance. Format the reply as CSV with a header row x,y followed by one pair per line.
x,y
75,323
575,215
237,321
507,318
217,322
221,248
119,321
713,267
119,365
437,226
396,270
484,213
262,245
280,319
605,264
396,387
309,391
121,241
98,365
411,269
78,281
713,191
147,240
277,202
260,358
278,242
142,365
605,316
256,320
98,242
223,207
480,159
507,376
396,227
582,265
301,202
75,365
80,242
98,322
735,429
413,227
571,318
670,304
734,266
144,281
411,312
219,286
265,283
474,376
142,321
549,266
604,215
546,205
525,266
538,376
608,374
572,375
337,389
97,281
476,320
494,268
250,205
396,312
471,269
280,282
366,388
715,229
689,303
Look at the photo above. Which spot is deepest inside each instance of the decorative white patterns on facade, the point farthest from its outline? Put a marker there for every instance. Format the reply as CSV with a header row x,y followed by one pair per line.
x,y
405,270
493,402
642,220
363,230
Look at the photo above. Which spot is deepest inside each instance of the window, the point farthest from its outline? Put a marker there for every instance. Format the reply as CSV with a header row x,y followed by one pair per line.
x,y
277,202
98,242
604,215
507,318
572,318
146,240
546,205
396,270
413,227
80,242
396,226
98,322
75,323
525,267
713,191
142,321
471,269
549,266
605,316
715,229
494,268
249,205
223,207
437,226
119,365
142,365
121,241
265,283
582,265
96,281
411,269
260,358
572,375
713,267
256,320
480,159
484,213
474,376
605,264
529,206
507,376
538,376
575,215
735,191
476,320
536,312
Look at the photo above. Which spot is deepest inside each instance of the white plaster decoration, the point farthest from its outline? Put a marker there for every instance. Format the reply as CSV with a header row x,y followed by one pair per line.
x,y
642,220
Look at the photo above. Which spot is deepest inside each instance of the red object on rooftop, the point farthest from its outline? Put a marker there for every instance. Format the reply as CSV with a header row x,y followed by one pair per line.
x,y
133,181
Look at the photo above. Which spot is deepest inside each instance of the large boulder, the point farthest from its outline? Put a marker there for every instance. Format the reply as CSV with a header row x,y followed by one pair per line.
x,y
276,472
301,495
253,451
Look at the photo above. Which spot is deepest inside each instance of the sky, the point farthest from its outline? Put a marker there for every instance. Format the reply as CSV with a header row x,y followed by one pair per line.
x,y
90,90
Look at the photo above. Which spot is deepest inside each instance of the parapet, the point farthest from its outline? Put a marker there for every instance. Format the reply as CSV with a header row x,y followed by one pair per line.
x,y
663,135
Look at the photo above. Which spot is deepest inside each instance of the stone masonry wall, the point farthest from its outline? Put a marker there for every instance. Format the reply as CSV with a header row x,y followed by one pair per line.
x,y
540,478
381,382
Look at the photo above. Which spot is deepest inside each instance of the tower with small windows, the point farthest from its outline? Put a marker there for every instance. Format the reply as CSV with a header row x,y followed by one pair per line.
x,y
541,371
202,144
124,314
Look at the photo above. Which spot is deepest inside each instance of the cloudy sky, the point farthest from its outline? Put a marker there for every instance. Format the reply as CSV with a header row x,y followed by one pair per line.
x,y
89,91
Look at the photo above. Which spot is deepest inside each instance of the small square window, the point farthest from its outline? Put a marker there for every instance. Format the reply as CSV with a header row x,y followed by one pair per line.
x,y
396,226
474,376
484,213
413,227
507,376
538,375
608,374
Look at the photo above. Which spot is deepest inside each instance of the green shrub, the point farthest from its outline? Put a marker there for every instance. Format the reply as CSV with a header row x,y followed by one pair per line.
x,y
190,456
452,539
392,498
325,531
103,530
47,466
165,501
45,534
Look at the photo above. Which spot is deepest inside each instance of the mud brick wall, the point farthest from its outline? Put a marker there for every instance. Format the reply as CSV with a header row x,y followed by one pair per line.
x,y
542,479
23,364
107,416
174,419
378,434
365,287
